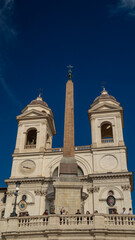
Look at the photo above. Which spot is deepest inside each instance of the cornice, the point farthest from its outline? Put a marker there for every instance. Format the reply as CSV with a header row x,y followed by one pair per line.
x,y
28,154
108,148
23,118
29,180
103,111
111,175
79,150
88,178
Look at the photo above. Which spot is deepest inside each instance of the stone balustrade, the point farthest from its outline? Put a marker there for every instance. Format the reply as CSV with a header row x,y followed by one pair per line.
x,y
70,222
119,221
109,140
30,146
78,148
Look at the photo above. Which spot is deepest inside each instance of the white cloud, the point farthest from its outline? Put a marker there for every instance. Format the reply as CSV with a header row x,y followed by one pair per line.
x,y
7,36
7,31
124,6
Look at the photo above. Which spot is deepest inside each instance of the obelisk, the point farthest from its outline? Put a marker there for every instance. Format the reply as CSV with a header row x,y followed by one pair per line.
x,y
68,165
68,189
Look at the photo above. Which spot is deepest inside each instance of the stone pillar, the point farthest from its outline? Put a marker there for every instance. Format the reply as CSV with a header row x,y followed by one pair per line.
x,y
54,221
12,224
42,201
18,139
42,137
99,221
93,132
120,132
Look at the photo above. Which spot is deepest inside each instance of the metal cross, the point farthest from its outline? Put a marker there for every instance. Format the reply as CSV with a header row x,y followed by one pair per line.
x,y
103,85
69,71
40,90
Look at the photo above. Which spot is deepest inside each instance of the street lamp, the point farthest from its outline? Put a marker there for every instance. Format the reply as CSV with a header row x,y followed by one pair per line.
x,y
14,214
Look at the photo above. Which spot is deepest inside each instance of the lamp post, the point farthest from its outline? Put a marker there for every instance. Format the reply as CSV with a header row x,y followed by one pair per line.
x,y
14,214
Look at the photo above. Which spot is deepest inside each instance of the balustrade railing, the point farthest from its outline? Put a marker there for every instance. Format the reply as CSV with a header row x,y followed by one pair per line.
x,y
76,220
78,148
80,221
72,220
30,146
109,140
120,220
34,221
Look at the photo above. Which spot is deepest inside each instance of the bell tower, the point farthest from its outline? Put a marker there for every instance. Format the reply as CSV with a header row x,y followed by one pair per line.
x,y
35,127
106,120
35,133
109,154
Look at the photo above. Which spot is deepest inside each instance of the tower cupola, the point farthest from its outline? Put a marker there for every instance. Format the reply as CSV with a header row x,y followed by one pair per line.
x,y
105,97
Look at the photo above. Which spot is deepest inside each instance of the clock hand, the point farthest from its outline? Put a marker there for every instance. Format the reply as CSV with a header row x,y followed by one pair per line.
x,y
26,167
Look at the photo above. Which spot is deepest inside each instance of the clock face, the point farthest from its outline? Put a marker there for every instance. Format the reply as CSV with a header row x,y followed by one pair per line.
x,y
111,201
27,166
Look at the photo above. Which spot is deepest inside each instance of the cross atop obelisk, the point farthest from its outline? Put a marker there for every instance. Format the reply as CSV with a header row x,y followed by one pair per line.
x,y
68,163
69,71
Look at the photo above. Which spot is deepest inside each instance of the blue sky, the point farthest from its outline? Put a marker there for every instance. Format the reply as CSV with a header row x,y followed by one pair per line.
x,y
39,38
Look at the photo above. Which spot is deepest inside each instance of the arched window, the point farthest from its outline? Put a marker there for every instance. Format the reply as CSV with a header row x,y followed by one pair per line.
x,y
110,193
31,138
2,214
80,172
106,133
55,172
4,198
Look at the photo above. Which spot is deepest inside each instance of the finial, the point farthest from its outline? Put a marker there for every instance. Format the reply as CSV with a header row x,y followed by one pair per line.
x,y
39,98
103,85
69,71
40,90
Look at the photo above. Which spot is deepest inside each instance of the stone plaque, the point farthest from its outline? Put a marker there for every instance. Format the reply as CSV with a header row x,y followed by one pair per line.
x,y
108,162
67,195
68,168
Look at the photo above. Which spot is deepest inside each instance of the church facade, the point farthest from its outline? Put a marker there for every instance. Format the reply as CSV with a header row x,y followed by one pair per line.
x,y
92,179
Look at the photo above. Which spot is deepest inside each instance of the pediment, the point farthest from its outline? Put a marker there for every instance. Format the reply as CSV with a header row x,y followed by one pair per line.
x,y
32,114
105,107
